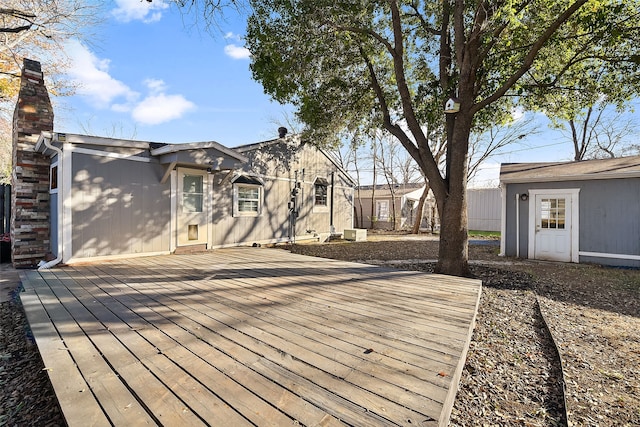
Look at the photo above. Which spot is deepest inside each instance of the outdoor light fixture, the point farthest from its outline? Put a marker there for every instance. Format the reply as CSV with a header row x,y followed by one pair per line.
x,y
452,106
524,197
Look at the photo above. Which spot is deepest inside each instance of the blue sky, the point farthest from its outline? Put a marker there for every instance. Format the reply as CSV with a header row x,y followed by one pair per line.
x,y
150,75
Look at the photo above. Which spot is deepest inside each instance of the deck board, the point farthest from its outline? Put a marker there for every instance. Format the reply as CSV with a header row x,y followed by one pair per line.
x,y
252,336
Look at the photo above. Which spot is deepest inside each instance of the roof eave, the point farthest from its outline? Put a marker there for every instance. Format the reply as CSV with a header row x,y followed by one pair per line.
x,y
581,177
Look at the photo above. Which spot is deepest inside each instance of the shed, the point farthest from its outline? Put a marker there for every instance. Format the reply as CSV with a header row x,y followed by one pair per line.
x,y
582,212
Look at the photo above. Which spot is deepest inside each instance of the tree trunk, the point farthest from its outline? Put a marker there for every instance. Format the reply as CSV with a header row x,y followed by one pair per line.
x,y
453,256
420,209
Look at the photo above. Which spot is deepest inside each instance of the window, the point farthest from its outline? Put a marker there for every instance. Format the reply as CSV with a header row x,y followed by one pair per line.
x,y
192,194
382,210
247,196
321,187
552,213
53,178
248,199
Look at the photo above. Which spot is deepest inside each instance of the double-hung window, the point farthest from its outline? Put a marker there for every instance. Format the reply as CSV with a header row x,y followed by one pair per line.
x,y
320,187
247,196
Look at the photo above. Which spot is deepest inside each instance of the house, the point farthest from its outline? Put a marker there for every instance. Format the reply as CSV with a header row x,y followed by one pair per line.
x,y
84,197
380,206
430,219
483,207
578,212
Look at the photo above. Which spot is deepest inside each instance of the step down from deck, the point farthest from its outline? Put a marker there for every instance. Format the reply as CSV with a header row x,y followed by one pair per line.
x,y
191,249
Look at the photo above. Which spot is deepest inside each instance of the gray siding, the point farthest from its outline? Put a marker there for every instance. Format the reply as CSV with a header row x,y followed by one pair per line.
x,y
609,218
483,209
512,224
277,165
119,207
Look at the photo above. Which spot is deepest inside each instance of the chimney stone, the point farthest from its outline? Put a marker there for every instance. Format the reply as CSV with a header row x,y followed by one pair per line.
x,y
30,216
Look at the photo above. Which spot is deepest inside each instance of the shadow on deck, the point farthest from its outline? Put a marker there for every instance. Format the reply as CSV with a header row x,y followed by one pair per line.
x,y
250,336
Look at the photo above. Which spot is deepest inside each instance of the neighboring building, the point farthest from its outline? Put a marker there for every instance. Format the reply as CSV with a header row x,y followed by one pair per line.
x,y
430,219
585,211
374,207
483,209
104,197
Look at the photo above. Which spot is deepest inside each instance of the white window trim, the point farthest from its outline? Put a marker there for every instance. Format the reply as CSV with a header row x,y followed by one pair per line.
x,y
58,178
380,203
317,207
236,210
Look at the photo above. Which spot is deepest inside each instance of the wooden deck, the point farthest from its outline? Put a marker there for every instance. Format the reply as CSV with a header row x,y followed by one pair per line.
x,y
250,336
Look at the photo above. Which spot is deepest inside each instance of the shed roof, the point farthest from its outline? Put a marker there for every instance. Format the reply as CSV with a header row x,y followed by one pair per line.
x,y
383,190
621,167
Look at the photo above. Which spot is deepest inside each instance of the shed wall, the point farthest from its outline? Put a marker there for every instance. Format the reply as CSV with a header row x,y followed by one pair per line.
x,y
609,218
118,207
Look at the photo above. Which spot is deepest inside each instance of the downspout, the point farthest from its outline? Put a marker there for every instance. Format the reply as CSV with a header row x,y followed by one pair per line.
x,y
46,265
517,225
332,229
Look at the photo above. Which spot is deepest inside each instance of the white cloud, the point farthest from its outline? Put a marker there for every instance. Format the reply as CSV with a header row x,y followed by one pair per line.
x,y
155,86
236,52
517,113
160,108
139,10
91,75
233,36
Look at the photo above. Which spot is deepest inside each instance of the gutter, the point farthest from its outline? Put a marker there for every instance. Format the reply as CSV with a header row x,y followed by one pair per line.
x,y
46,265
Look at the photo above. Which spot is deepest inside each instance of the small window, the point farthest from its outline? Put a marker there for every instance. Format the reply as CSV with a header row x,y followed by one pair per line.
x,y
321,187
382,210
53,179
247,196
552,213
192,193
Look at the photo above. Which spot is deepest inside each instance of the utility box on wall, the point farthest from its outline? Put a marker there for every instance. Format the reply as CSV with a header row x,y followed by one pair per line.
x,y
355,235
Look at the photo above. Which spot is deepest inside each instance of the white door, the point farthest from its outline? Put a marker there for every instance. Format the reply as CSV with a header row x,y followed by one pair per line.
x,y
192,207
553,237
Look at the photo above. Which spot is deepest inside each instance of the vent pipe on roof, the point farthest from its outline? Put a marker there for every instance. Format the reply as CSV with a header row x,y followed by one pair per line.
x,y
282,132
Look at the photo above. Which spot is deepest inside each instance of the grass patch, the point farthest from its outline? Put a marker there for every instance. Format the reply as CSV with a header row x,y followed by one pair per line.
x,y
486,234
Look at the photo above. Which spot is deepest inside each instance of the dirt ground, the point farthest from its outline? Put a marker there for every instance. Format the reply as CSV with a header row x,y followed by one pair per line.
x,y
512,375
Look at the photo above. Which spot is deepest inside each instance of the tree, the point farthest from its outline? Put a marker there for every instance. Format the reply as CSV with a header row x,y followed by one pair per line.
x,y
5,151
394,63
599,130
485,142
38,29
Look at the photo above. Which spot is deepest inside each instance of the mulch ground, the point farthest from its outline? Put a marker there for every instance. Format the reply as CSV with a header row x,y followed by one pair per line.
x,y
511,376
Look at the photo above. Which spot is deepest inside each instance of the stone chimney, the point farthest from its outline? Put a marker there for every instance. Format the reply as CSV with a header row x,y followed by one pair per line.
x,y
30,226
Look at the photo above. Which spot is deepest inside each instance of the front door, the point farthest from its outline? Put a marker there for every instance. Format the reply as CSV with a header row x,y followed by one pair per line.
x,y
553,228
192,207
